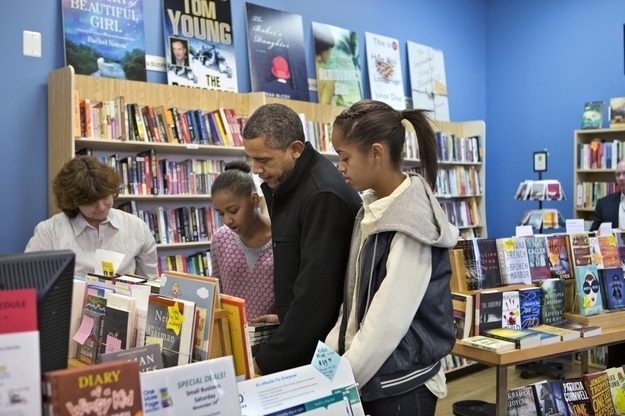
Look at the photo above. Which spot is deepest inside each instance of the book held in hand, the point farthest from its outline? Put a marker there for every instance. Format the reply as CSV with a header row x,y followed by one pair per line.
x,y
488,344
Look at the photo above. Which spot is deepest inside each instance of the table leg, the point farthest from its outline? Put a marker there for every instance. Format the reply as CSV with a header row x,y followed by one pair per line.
x,y
501,401
584,362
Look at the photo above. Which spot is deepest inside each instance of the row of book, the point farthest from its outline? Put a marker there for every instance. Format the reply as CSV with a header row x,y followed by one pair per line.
x,y
542,190
118,120
593,394
462,213
452,148
197,263
588,193
599,154
458,181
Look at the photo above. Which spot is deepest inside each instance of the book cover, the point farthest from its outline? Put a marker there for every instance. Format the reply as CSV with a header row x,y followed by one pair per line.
x,y
428,82
113,386
530,301
276,51
337,63
488,344
463,314
513,261
20,365
587,289
576,397
522,338
537,258
617,112
598,388
109,45
88,351
237,323
550,398
612,284
208,388
546,338
558,255
200,290
384,68
616,378
584,331
488,311
595,252
565,334
552,309
522,401
149,357
609,251
115,334
620,245
592,116
511,309
199,44
482,269
170,323
580,249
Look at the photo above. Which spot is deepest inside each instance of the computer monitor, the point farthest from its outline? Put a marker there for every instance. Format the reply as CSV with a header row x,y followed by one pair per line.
x,y
51,273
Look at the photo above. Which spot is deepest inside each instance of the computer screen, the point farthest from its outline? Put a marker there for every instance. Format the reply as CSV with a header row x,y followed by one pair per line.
x,y
51,273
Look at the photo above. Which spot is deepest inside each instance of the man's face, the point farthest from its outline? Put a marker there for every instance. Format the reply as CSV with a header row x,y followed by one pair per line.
x,y
272,165
620,175
179,50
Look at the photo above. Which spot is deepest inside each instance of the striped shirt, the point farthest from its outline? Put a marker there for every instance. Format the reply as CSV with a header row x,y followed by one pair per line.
x,y
120,232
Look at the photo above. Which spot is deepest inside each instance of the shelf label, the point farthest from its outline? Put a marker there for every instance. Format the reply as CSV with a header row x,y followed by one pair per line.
x,y
193,146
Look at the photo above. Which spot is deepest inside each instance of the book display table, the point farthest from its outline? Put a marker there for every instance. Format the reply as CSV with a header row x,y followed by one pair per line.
x,y
610,335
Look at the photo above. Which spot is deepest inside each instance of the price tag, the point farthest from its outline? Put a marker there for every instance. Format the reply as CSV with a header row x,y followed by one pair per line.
x,y
326,360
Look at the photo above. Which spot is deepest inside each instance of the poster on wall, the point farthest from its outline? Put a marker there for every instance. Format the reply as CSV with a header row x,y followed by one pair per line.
x,y
337,63
384,65
428,82
199,44
105,39
275,45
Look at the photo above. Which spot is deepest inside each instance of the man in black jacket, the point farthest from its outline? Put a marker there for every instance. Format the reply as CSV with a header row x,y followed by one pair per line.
x,y
312,212
609,209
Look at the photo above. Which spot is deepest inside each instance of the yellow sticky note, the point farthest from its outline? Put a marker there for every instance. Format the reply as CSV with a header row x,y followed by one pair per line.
x,y
175,318
587,302
612,240
508,245
108,268
154,340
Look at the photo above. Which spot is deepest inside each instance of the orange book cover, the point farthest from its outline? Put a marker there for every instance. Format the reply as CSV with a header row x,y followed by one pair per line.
x,y
237,322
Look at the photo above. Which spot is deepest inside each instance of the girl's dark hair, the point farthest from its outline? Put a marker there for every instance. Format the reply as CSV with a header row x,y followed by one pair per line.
x,y
82,181
368,121
235,178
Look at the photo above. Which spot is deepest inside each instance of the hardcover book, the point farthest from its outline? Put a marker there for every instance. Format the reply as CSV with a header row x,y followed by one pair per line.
x,y
104,46
511,309
558,254
592,117
522,401
113,386
513,261
237,322
488,344
598,388
199,54
463,314
200,290
481,263
620,245
617,112
537,257
149,357
546,338
171,323
612,287
580,249
616,378
384,68
595,252
585,331
530,301
428,81
565,334
337,63
552,309
88,351
609,251
488,311
276,50
522,338
550,398
588,290
576,397
207,388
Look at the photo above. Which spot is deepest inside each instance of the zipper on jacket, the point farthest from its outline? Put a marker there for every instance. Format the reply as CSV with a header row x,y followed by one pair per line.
x,y
375,247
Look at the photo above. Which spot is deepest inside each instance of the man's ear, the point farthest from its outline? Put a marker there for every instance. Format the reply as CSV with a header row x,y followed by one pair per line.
x,y
297,148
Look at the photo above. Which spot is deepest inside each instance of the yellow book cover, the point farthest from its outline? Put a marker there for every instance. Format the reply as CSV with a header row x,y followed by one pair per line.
x,y
237,322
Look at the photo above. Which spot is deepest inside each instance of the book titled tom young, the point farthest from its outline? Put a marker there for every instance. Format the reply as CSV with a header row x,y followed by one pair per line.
x,y
113,388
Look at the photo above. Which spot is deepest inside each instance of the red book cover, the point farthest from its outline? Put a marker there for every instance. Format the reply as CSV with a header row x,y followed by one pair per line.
x,y
18,311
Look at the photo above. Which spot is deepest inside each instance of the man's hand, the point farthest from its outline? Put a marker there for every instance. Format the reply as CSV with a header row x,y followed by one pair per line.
x,y
271,318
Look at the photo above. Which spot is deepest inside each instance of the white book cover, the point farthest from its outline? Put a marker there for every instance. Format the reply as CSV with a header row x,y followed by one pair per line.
x,y
124,303
20,374
511,310
428,82
513,261
202,388
385,74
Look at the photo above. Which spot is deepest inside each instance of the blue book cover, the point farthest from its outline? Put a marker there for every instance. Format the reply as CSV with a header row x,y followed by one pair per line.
x,y
588,290
529,302
199,44
613,285
550,398
276,49
105,39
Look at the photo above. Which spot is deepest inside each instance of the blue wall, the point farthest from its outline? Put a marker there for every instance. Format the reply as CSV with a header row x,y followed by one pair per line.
x,y
525,67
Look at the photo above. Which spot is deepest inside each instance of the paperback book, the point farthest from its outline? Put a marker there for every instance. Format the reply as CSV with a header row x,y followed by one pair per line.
x,y
530,301
488,344
428,82
565,334
550,398
488,311
616,378
585,331
463,314
513,261
149,357
511,309
552,309
522,338
592,117
598,388
538,259
576,397
199,54
558,254
612,287
588,290
384,68
522,401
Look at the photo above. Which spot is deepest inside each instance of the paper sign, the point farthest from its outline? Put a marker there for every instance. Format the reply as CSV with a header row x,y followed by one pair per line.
x,y
605,228
107,262
175,318
326,360
85,330
112,344
574,226
524,231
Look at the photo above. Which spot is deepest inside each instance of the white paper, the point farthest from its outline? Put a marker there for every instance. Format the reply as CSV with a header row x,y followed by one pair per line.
x,y
524,231
107,256
575,226
20,374
605,228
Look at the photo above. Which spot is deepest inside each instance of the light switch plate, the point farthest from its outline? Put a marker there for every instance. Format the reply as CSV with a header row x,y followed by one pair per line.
x,y
32,44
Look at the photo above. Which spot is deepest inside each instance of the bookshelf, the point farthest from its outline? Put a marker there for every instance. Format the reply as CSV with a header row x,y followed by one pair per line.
x,y
596,153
